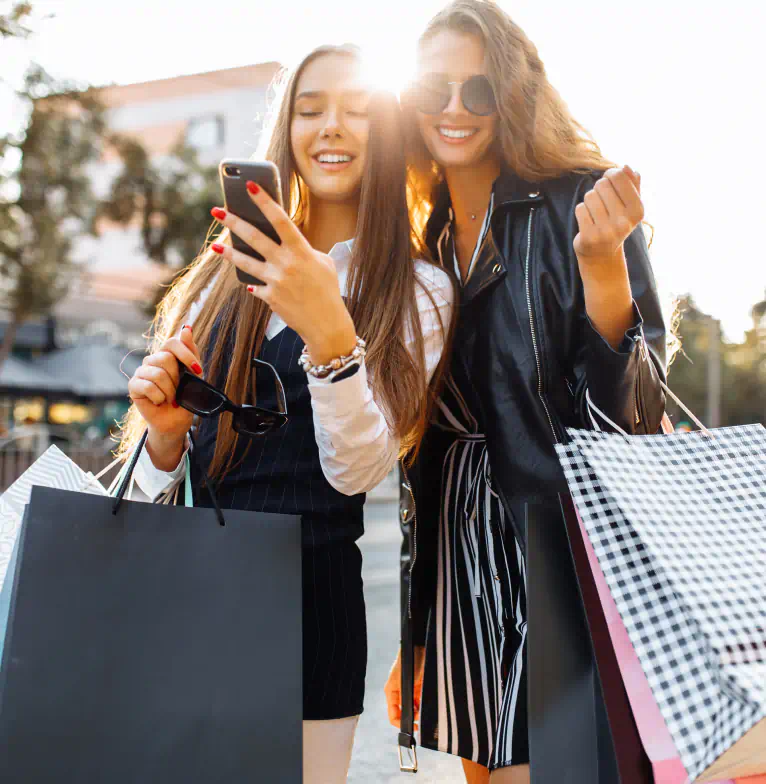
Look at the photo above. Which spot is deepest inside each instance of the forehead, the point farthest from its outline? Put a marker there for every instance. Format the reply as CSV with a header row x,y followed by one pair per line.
x,y
457,54
330,73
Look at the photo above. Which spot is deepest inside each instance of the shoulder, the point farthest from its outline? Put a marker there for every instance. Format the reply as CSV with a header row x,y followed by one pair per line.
x,y
433,284
561,190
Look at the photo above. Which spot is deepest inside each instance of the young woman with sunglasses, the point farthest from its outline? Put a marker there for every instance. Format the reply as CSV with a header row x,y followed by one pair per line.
x,y
559,318
340,152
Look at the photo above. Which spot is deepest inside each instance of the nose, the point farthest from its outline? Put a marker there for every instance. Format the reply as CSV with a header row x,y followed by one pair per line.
x,y
332,126
455,105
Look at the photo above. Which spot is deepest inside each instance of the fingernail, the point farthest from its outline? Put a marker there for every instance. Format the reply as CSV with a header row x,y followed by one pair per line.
x,y
251,289
218,213
174,404
197,368
252,187
186,326
217,248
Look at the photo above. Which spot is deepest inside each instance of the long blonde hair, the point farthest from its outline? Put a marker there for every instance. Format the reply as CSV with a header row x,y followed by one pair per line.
x,y
384,310
537,137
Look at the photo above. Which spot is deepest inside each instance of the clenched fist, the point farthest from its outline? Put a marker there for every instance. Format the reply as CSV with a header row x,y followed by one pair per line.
x,y
607,216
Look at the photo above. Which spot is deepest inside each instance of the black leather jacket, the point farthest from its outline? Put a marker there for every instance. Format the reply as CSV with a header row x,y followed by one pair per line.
x,y
532,356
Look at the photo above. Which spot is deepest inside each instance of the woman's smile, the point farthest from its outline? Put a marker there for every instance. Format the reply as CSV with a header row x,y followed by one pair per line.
x,y
452,134
332,160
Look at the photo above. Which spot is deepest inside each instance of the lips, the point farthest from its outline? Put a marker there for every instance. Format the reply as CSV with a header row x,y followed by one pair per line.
x,y
455,135
333,160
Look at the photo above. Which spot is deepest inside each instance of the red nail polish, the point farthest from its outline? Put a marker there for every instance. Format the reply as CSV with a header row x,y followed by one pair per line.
x,y
197,368
251,289
174,404
186,326
217,248
218,213
252,187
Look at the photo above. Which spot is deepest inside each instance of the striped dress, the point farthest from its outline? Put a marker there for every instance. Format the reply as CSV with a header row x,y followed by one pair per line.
x,y
474,702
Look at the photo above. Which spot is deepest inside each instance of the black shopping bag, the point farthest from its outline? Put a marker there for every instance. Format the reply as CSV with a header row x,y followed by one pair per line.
x,y
153,645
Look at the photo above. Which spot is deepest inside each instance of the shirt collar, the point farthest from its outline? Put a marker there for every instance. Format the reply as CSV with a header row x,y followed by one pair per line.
x,y
340,253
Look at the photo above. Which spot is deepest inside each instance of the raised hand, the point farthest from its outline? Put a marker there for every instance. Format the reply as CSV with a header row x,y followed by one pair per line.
x,y
153,390
607,216
300,283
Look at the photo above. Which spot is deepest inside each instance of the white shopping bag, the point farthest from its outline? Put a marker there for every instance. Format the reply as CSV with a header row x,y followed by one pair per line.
x,y
52,469
678,525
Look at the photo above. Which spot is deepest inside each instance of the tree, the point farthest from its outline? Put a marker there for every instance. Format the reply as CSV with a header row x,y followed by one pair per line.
x,y
12,23
170,197
48,198
743,370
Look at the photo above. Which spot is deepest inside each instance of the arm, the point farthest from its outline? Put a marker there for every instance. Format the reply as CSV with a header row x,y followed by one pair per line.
x,y
356,448
621,353
300,284
161,465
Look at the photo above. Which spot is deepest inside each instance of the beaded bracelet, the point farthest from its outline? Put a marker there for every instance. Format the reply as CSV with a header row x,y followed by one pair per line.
x,y
335,365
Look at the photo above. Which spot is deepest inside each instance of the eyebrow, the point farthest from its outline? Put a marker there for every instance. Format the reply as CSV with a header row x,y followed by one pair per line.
x,y
355,93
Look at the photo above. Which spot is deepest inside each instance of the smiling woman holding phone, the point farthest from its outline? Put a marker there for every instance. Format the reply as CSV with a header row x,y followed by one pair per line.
x,y
355,328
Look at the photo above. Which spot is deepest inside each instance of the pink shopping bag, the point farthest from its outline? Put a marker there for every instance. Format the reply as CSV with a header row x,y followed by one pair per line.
x,y
655,737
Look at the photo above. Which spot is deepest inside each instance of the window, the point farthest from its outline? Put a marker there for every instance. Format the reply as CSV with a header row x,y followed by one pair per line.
x,y
205,133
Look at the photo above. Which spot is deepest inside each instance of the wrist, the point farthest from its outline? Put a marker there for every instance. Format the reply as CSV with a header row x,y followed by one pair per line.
x,y
165,450
337,341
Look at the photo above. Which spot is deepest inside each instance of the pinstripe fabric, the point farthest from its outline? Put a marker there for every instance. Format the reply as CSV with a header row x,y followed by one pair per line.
x,y
281,472
474,692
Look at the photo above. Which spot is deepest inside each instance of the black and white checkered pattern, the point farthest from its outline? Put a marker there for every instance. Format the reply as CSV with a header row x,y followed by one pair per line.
x,y
679,527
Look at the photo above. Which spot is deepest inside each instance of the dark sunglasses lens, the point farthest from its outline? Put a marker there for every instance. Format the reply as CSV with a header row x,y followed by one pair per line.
x,y
257,423
478,96
431,96
197,397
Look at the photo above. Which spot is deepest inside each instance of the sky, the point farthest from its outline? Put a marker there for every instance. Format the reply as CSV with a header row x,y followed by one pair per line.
x,y
675,89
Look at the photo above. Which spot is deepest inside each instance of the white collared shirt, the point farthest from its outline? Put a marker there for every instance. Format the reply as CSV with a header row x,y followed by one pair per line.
x,y
356,448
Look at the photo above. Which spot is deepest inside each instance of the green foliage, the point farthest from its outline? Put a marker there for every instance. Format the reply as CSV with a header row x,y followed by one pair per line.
x,y
743,369
171,197
49,201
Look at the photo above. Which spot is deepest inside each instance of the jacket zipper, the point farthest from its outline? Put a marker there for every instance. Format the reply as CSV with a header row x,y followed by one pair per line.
x,y
414,539
532,327
644,357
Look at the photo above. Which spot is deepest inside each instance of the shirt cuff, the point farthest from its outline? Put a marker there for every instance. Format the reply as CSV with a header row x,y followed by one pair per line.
x,y
152,480
630,339
343,396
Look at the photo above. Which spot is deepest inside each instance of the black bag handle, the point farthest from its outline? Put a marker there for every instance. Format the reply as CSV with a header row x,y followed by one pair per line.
x,y
132,466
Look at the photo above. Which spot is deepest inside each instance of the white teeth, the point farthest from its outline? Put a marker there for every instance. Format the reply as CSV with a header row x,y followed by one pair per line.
x,y
333,158
451,133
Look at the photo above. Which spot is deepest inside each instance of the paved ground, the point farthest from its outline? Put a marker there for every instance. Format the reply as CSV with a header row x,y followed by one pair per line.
x,y
375,760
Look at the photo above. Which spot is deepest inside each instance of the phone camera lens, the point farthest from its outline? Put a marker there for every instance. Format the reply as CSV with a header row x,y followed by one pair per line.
x,y
231,171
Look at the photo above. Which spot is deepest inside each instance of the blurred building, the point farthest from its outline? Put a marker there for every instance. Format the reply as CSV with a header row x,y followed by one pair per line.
x,y
220,114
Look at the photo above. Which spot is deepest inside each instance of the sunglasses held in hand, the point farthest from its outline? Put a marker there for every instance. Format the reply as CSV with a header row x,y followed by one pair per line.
x,y
203,399
432,94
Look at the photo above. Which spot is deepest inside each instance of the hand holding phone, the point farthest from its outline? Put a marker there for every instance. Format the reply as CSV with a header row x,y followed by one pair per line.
x,y
234,174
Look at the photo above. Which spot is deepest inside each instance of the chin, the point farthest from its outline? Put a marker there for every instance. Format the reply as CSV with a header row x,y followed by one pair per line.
x,y
448,156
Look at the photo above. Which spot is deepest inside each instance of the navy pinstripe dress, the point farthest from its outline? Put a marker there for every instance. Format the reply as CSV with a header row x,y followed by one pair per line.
x,y
281,472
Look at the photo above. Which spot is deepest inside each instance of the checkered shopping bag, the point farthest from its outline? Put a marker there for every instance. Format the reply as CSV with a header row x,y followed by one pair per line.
x,y
678,525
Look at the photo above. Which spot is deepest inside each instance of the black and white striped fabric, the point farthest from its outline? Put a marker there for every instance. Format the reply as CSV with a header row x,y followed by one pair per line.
x,y
474,690
678,523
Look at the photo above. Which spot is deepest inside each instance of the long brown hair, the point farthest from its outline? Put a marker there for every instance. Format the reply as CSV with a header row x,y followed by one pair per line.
x,y
537,137
381,284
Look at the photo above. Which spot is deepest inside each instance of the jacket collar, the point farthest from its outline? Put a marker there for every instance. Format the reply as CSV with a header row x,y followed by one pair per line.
x,y
509,190
512,189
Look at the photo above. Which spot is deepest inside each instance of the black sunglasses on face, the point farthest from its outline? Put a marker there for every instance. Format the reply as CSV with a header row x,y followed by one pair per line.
x,y
203,399
432,94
